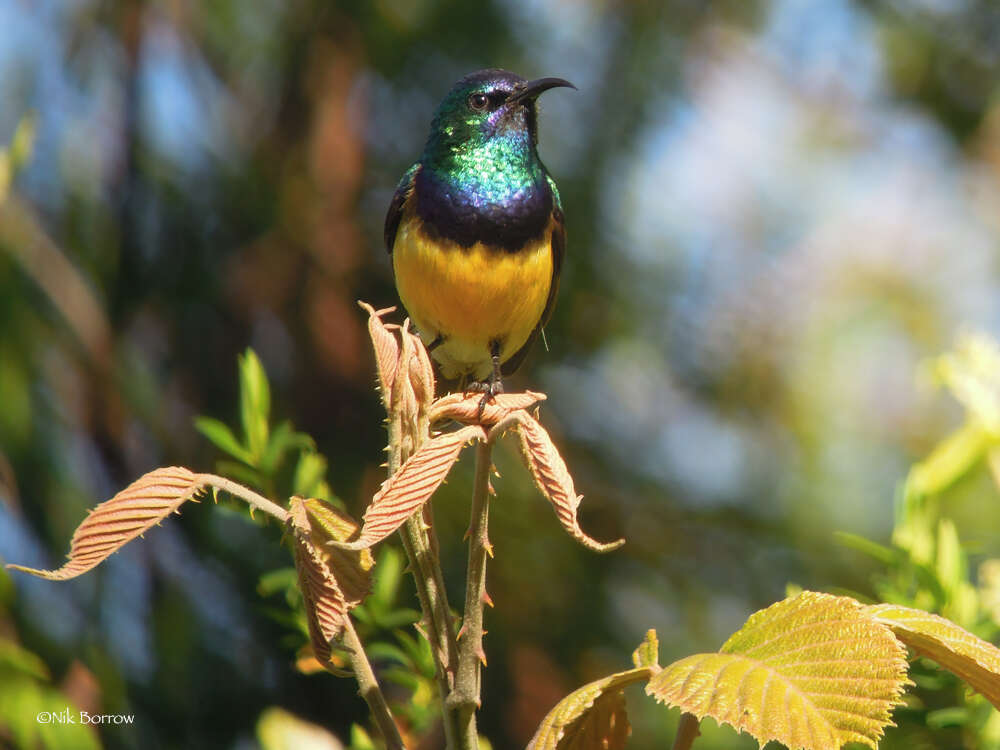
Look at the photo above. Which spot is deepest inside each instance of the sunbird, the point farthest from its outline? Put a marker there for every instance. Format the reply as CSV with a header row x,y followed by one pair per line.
x,y
476,231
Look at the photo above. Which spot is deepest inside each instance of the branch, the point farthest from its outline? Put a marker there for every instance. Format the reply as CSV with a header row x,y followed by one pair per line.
x,y
687,732
369,688
465,697
425,565
256,501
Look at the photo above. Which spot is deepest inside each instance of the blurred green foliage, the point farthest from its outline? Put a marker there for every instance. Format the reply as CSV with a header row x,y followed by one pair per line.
x,y
928,565
775,211
385,626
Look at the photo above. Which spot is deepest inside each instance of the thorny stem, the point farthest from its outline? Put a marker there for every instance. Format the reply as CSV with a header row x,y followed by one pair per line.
x,y
369,688
256,501
466,696
687,732
367,683
425,565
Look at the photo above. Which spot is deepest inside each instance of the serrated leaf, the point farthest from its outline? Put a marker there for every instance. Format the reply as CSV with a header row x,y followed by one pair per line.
x,y
386,348
972,659
421,372
332,580
404,396
465,407
352,568
408,489
813,671
114,523
325,605
219,434
590,717
553,479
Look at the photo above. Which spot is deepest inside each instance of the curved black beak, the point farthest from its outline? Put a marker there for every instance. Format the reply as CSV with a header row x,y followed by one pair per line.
x,y
531,89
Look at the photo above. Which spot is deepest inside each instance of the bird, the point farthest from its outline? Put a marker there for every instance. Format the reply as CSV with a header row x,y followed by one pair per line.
x,y
476,230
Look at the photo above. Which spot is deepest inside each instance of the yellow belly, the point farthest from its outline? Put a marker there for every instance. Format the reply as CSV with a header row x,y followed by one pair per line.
x,y
471,296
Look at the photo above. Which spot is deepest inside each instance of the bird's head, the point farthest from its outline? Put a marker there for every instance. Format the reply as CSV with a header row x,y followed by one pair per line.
x,y
487,106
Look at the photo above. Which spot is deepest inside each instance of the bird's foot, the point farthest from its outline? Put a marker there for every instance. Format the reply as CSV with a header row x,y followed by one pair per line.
x,y
489,388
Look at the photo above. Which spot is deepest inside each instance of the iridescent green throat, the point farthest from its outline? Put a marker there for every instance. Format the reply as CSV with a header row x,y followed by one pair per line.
x,y
484,182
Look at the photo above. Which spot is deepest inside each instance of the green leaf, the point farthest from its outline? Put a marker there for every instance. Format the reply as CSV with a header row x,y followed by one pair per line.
x,y
952,568
255,402
812,671
388,652
390,574
972,374
954,716
592,716
14,658
885,555
960,652
950,460
277,580
22,145
648,652
283,439
360,739
309,474
219,434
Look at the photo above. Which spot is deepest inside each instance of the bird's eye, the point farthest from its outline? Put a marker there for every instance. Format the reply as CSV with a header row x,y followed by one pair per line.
x,y
478,102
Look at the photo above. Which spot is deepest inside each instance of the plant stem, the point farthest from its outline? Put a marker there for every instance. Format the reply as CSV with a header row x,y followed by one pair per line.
x,y
426,570
255,501
465,696
367,684
687,731
370,690
425,565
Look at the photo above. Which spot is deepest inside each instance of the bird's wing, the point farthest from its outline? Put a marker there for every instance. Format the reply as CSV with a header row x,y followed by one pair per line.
x,y
557,222
403,191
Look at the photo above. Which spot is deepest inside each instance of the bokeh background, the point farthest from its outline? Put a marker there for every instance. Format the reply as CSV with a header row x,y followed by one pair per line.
x,y
777,210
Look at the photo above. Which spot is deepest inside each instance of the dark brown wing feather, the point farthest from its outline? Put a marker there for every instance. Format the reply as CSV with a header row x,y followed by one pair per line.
x,y
558,250
403,191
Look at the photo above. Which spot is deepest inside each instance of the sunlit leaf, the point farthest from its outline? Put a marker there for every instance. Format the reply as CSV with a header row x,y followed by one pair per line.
x,y
814,671
591,717
352,568
114,523
404,492
648,652
950,460
332,580
421,372
309,473
278,729
972,373
465,407
972,659
553,479
255,402
386,347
